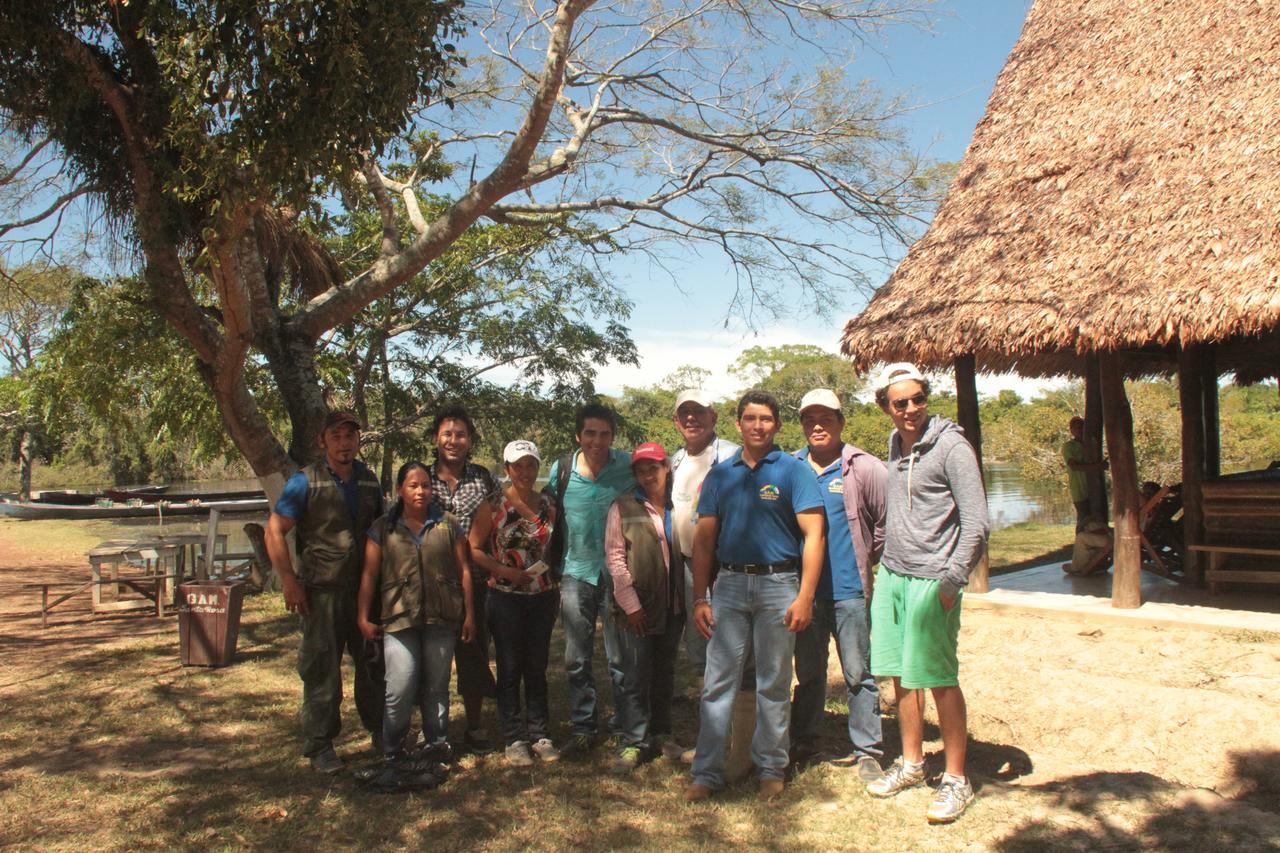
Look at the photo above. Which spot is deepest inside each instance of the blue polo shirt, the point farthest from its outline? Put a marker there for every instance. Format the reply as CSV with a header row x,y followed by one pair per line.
x,y
586,506
840,579
293,500
435,515
757,507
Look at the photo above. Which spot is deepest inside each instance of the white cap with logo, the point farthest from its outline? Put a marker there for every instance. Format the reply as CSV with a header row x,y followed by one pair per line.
x,y
693,395
519,449
898,372
824,397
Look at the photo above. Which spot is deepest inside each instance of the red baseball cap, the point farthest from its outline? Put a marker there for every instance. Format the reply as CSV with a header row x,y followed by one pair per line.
x,y
649,450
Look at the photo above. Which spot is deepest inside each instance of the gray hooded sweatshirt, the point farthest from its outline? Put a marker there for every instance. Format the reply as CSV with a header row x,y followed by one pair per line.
x,y
936,519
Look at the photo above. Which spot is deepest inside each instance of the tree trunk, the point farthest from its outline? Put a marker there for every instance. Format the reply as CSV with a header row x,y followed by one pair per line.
x,y
971,423
1126,581
1191,402
26,461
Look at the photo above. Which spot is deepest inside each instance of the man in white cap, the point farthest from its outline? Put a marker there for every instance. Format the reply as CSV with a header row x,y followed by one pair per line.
x,y
852,483
695,418
935,532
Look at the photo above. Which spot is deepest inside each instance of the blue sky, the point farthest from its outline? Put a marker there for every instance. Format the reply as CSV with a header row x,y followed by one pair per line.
x,y
948,74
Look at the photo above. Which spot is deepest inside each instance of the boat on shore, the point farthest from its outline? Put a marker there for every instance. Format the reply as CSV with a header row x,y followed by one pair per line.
x,y
132,509
153,494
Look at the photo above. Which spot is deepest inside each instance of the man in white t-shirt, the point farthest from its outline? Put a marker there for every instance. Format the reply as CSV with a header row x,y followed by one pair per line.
x,y
695,418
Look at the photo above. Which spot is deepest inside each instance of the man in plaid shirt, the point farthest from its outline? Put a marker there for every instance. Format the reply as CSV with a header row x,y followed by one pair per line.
x,y
470,492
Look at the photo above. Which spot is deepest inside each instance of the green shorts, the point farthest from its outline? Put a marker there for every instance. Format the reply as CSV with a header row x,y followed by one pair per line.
x,y
912,637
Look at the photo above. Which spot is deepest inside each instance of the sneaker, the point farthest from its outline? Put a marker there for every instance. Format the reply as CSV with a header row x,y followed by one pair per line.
x,y
441,751
670,749
897,778
518,754
546,750
326,761
578,747
869,769
950,801
771,789
476,742
628,759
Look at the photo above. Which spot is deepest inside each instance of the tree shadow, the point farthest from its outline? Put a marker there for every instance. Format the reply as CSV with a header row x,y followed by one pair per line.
x,y
1170,817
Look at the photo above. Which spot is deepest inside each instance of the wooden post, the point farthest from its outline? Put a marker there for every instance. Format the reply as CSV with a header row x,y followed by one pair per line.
x,y
967,414
1093,437
1191,401
1126,581
1212,440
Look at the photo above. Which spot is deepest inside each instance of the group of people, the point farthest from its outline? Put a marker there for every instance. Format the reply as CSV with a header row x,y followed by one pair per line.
x,y
756,557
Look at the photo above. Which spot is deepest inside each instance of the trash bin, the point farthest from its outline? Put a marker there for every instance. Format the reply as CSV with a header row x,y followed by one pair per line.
x,y
209,622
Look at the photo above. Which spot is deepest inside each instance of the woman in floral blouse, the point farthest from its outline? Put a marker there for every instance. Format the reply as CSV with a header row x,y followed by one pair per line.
x,y
523,602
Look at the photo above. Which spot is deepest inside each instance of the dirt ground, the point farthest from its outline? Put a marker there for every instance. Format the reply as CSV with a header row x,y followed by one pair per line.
x,y
1081,736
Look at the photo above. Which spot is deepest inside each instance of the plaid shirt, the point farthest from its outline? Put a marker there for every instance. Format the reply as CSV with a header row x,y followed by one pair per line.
x,y
475,486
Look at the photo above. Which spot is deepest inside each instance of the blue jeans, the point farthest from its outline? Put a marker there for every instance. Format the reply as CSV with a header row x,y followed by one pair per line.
x,y
694,643
748,612
521,629
648,680
581,604
849,622
418,664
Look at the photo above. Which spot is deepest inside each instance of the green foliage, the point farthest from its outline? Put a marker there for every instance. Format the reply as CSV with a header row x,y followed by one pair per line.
x,y
258,96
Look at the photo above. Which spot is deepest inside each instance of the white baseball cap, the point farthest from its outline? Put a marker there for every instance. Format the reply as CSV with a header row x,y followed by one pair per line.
x,y
824,397
519,449
693,395
899,372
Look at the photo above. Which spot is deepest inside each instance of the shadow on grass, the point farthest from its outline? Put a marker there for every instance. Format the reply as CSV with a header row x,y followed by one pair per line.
x,y
1171,817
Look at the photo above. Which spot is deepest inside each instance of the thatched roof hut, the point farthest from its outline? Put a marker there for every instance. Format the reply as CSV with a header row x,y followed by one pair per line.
x,y
1121,193
1117,213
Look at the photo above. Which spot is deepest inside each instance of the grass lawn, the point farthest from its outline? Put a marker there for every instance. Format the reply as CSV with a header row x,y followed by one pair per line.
x,y
1029,544
1127,739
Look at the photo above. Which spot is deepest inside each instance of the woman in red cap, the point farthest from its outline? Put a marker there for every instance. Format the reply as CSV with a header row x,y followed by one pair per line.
x,y
648,603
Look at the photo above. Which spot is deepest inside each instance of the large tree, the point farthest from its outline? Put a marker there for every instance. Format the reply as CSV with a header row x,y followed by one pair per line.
x,y
213,134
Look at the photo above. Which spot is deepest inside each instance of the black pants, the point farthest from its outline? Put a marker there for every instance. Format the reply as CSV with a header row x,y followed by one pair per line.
x,y
521,629
329,631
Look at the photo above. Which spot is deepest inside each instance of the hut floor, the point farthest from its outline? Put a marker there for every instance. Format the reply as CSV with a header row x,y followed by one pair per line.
x,y
1050,590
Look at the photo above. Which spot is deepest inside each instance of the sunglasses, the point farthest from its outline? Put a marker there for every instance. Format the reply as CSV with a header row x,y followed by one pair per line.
x,y
920,400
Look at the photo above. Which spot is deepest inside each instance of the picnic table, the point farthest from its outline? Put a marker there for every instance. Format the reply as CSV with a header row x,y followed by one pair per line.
x,y
131,574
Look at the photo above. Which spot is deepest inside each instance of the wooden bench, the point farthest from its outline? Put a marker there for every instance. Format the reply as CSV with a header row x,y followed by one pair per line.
x,y
1241,521
76,588
151,587
1218,556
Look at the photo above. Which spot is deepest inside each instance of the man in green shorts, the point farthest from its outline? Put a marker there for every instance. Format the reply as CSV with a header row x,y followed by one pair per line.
x,y
935,532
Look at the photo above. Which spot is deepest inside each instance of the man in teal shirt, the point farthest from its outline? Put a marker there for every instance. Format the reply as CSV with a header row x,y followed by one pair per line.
x,y
599,474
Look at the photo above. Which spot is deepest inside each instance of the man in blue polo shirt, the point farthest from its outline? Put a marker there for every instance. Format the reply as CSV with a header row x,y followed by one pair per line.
x,y
852,482
599,473
760,515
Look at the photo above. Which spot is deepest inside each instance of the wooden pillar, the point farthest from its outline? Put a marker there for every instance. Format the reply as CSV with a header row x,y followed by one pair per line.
x,y
1212,441
1191,402
1126,581
967,414
1093,437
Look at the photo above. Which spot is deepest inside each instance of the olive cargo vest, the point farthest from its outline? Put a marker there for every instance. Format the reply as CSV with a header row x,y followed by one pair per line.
x,y
330,541
421,584
646,564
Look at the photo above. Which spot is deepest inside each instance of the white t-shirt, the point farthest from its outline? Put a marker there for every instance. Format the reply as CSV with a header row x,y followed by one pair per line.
x,y
684,495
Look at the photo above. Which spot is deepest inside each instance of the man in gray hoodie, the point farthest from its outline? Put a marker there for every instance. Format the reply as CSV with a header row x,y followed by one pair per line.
x,y
935,531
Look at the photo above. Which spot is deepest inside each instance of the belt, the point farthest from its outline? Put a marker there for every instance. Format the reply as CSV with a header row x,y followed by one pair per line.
x,y
760,568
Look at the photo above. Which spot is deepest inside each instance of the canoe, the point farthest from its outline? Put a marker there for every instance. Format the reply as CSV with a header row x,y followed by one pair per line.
x,y
32,510
152,494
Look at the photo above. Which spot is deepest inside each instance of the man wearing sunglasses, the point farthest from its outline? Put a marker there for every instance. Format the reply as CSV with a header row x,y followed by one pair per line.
x,y
935,530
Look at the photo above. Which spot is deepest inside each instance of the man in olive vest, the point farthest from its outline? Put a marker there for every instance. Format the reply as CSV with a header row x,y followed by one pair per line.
x,y
330,504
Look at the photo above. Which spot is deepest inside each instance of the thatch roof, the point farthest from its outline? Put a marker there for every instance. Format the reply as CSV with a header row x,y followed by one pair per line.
x,y
1122,192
